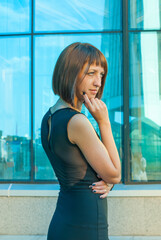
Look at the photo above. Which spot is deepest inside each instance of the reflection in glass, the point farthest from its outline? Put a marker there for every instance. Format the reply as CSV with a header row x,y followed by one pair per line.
x,y
145,106
77,15
47,50
14,108
14,16
145,14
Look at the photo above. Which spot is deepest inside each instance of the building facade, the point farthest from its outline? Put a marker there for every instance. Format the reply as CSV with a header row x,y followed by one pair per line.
x,y
32,35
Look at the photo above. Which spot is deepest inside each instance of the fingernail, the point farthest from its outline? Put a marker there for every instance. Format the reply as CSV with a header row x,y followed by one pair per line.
x,y
90,186
94,190
93,184
84,93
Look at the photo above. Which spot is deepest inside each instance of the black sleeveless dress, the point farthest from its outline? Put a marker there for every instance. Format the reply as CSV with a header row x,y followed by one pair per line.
x,y
80,214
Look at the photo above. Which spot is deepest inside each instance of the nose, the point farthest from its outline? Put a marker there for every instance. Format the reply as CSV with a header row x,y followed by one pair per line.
x,y
98,81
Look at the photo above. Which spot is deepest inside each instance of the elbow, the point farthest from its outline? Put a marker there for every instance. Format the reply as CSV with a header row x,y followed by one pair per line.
x,y
118,178
115,180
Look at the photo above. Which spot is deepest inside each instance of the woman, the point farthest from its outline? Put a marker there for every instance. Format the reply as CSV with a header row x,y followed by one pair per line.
x,y
79,158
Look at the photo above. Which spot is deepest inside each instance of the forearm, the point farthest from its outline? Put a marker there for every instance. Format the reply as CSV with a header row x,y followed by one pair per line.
x,y
109,143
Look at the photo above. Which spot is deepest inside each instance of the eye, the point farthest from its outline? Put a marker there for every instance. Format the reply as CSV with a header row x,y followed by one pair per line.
x,y
102,75
90,73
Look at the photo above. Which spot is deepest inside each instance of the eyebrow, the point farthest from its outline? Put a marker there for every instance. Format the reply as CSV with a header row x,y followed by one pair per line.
x,y
91,69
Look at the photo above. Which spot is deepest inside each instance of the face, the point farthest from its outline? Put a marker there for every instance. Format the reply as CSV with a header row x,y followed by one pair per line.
x,y
91,82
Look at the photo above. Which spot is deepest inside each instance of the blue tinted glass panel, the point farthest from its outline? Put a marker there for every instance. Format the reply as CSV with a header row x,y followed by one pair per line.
x,y
14,16
14,108
145,14
145,106
47,50
80,15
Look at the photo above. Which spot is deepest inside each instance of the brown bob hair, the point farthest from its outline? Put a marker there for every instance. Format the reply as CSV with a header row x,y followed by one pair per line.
x,y
68,66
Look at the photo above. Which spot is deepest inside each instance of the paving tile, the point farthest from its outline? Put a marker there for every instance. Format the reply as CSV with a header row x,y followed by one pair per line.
x,y
22,237
135,238
121,238
43,237
147,238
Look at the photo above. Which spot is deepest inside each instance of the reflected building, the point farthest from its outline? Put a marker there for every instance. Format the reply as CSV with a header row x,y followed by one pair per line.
x,y
15,157
27,63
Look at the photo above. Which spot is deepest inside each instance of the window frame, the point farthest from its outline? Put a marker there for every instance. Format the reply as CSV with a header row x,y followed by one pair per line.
x,y
125,56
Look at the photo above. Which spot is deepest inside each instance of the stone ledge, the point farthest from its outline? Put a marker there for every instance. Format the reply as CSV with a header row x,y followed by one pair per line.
x,y
32,215
47,190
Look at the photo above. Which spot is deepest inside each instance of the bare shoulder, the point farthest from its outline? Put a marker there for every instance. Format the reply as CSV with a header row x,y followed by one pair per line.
x,y
79,127
79,120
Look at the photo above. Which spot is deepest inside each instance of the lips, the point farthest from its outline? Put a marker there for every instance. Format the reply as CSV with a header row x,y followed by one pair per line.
x,y
93,91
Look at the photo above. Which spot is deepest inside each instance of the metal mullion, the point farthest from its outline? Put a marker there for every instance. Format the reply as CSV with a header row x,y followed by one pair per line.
x,y
32,99
144,30
79,32
58,33
76,32
126,140
83,32
15,34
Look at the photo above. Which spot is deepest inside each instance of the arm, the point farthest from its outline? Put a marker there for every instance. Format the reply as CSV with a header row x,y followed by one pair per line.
x,y
99,111
82,133
109,143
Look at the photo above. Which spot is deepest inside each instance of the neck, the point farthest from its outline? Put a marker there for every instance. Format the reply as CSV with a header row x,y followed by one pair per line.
x,y
62,103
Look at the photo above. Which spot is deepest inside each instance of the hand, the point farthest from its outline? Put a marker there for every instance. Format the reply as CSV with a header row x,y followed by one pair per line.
x,y
97,108
101,187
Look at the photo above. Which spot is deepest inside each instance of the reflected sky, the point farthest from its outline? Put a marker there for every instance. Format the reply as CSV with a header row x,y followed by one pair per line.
x,y
150,65
64,15
14,86
145,76
145,14
14,16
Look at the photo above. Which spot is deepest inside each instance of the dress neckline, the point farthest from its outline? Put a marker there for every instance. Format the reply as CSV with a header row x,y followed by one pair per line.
x,y
62,109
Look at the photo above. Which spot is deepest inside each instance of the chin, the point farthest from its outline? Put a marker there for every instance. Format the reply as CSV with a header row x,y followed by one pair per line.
x,y
92,95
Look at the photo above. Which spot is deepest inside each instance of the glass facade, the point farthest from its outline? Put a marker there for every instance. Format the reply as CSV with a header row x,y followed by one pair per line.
x,y
45,58
145,106
33,34
77,15
145,14
145,90
15,16
14,108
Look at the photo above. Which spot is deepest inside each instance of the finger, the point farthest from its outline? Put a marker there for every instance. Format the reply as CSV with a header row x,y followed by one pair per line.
x,y
102,183
101,188
94,103
99,103
87,101
99,183
102,103
104,195
100,191
110,186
